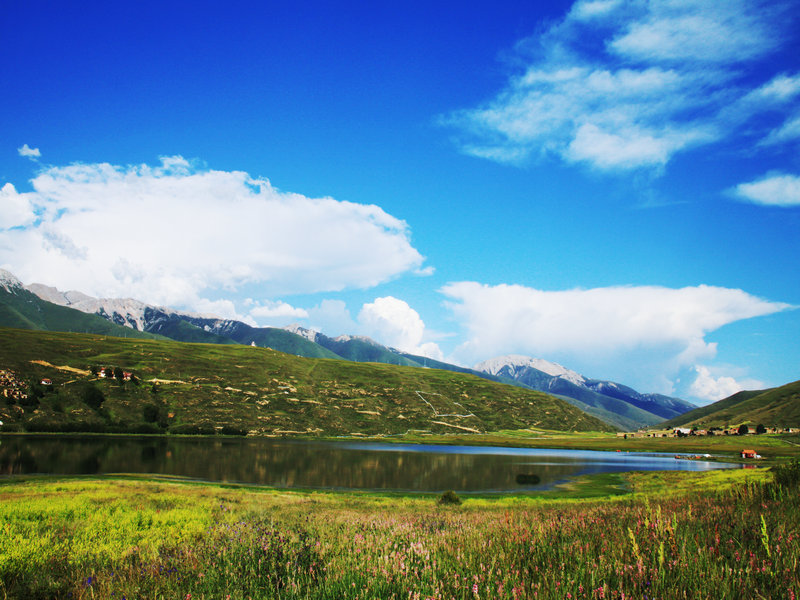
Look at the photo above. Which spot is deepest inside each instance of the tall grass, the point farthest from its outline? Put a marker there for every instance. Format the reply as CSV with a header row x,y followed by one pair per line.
x,y
131,539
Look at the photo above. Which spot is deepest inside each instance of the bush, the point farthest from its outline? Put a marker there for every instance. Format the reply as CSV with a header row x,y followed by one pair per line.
x,y
232,430
150,413
92,396
192,430
449,497
787,475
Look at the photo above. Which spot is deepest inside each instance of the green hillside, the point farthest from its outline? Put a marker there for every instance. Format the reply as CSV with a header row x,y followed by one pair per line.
x,y
185,388
285,341
776,407
24,310
183,331
359,350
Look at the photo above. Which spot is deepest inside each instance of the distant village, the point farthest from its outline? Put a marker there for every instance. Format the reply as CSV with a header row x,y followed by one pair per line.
x,y
686,431
12,387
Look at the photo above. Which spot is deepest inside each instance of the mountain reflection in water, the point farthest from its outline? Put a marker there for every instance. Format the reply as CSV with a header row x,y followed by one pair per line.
x,y
332,465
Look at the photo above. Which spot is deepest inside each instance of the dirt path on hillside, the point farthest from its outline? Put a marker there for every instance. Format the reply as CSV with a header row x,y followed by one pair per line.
x,y
44,363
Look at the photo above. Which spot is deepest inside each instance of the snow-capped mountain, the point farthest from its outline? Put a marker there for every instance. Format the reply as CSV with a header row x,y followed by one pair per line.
x,y
8,281
512,364
309,334
358,348
122,311
615,403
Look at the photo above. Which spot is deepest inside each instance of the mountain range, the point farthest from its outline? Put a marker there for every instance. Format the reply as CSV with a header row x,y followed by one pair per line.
x,y
38,306
613,403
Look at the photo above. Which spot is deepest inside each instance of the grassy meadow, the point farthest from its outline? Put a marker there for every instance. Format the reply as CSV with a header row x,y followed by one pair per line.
x,y
723,534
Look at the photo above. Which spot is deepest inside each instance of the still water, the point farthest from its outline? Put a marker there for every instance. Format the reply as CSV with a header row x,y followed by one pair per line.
x,y
325,465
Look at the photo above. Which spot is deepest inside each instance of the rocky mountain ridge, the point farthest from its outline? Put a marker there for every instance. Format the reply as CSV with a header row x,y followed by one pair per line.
x,y
615,403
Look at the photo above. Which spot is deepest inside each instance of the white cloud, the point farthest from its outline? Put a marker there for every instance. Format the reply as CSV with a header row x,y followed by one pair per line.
x,y
624,149
29,152
640,335
277,311
15,209
782,88
627,85
691,30
332,318
788,132
772,190
585,10
394,323
711,388
224,309
166,234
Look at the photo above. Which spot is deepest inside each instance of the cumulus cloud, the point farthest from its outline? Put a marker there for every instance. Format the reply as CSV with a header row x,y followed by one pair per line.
x,y
277,311
711,388
29,152
168,233
332,318
225,309
394,323
15,209
773,190
627,85
643,335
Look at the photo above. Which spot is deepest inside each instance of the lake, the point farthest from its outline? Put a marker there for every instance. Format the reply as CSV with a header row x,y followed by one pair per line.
x,y
325,465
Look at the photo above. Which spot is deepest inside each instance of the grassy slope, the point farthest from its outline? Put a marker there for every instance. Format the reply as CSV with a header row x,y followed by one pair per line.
x,y
183,331
268,392
280,339
698,414
23,309
361,351
776,407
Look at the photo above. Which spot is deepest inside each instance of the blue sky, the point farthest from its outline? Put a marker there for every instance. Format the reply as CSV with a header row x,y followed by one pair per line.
x,y
614,186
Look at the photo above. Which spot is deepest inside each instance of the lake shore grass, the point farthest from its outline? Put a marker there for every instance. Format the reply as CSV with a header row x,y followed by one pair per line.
x,y
731,533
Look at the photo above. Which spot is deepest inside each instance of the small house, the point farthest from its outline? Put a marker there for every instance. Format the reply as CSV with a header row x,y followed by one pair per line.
x,y
46,382
126,375
749,454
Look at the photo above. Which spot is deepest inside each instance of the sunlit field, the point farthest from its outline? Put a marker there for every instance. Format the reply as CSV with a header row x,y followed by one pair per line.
x,y
728,534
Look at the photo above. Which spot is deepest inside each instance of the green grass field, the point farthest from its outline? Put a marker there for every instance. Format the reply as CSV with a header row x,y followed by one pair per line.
x,y
727,534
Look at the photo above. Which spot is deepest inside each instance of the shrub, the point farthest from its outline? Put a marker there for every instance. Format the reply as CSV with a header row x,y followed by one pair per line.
x,y
192,429
150,413
787,475
449,497
92,396
232,430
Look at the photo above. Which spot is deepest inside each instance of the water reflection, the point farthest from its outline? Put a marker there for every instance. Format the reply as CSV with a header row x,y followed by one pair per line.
x,y
324,465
